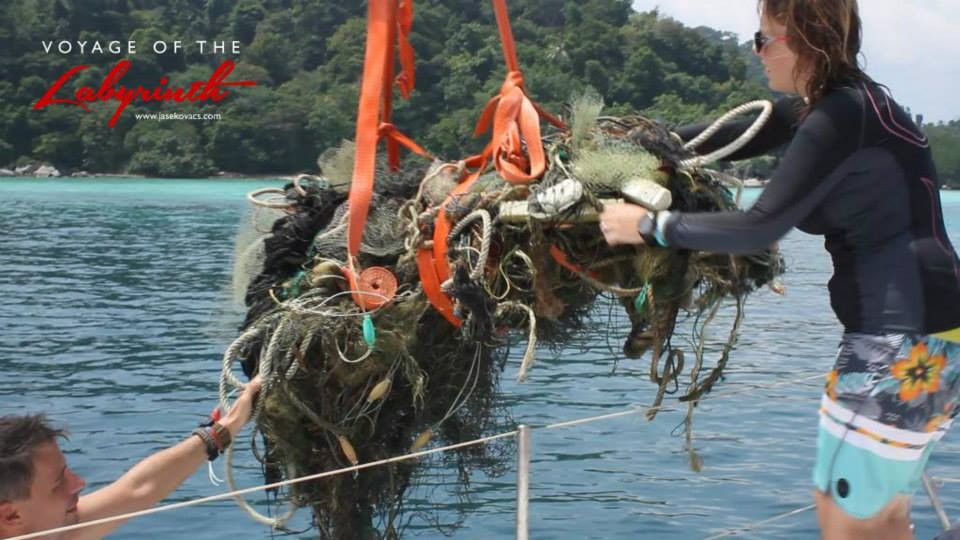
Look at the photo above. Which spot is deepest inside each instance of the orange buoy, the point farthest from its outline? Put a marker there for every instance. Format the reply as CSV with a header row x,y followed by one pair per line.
x,y
378,282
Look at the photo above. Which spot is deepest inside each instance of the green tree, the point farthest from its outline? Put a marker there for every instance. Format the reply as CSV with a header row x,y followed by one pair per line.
x,y
58,147
945,144
102,149
273,48
244,19
167,151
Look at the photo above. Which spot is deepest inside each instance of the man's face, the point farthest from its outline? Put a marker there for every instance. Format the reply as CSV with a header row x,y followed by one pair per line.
x,y
53,495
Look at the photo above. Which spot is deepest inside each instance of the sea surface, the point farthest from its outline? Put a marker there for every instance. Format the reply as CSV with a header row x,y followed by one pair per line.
x,y
116,306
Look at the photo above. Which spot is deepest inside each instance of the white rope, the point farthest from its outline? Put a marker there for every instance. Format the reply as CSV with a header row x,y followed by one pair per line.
x,y
530,354
228,381
304,305
457,402
266,370
750,388
945,480
580,421
276,522
741,141
751,526
310,177
484,217
274,202
241,492
212,475
343,357
663,408
729,180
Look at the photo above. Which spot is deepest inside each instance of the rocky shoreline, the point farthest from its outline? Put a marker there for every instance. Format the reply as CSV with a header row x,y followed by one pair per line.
x,y
45,170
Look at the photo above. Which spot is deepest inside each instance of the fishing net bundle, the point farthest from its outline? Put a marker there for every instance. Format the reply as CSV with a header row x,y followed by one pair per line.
x,y
343,384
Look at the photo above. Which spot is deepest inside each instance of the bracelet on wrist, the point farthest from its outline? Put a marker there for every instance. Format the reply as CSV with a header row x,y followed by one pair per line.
x,y
646,228
221,436
209,443
660,226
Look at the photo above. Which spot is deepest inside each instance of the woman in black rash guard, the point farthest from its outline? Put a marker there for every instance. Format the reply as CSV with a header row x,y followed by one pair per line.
x,y
860,173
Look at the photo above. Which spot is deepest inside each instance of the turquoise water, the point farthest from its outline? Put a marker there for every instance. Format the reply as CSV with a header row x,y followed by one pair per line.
x,y
116,310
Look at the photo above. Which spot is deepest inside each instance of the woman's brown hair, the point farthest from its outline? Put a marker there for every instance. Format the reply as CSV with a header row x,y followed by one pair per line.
x,y
826,35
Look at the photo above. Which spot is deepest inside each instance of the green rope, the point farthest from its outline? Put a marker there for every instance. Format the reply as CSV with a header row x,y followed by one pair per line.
x,y
640,303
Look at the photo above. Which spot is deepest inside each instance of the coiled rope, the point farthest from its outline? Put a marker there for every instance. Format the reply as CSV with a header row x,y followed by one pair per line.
x,y
487,234
766,109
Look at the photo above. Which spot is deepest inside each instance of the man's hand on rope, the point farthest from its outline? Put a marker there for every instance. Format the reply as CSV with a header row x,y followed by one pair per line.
x,y
242,408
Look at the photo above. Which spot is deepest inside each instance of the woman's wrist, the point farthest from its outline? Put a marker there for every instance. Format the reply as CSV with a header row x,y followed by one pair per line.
x,y
652,228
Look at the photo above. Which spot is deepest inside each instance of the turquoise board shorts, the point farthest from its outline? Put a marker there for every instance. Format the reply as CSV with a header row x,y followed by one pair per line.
x,y
889,398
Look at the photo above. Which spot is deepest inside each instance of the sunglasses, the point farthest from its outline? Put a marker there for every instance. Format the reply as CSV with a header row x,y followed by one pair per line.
x,y
760,41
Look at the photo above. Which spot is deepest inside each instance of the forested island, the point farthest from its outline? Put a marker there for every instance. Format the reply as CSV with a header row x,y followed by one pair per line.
x,y
306,60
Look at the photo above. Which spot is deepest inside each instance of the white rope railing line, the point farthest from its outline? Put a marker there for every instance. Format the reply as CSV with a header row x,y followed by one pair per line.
x,y
580,421
943,481
753,526
236,493
664,408
729,393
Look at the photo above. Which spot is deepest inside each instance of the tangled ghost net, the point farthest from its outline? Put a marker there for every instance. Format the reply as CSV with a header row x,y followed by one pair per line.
x,y
366,371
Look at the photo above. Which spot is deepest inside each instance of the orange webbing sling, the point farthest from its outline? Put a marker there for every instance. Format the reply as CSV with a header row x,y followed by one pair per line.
x,y
384,28
516,119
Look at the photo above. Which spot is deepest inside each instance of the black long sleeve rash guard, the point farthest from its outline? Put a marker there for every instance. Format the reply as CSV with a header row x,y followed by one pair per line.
x,y
859,172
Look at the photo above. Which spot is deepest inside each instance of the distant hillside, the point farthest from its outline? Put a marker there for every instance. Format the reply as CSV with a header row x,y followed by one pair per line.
x,y
306,58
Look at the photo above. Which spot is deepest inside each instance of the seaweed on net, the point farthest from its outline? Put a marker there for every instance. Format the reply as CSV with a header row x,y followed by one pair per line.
x,y
335,393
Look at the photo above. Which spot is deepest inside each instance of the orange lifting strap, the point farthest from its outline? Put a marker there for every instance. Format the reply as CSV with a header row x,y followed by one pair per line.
x,y
516,119
388,22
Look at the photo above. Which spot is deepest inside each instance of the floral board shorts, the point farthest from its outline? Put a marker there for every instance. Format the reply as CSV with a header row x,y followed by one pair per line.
x,y
889,398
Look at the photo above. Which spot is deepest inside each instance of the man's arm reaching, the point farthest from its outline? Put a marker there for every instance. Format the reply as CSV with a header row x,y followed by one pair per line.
x,y
149,481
